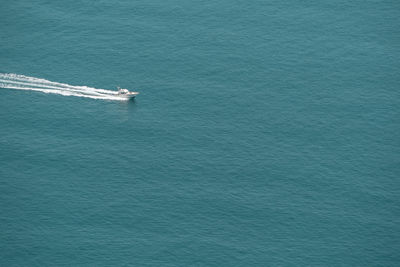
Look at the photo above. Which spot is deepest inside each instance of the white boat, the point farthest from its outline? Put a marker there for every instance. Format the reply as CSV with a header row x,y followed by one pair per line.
x,y
126,94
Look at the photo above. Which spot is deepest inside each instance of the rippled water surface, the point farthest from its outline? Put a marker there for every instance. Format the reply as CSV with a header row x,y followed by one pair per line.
x,y
266,133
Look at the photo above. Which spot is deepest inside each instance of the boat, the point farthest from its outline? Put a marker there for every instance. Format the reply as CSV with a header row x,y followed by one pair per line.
x,y
126,94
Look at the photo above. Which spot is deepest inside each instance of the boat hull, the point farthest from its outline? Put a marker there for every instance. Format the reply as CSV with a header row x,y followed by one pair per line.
x,y
130,95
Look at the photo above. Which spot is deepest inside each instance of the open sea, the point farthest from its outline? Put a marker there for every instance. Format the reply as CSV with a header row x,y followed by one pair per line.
x,y
266,133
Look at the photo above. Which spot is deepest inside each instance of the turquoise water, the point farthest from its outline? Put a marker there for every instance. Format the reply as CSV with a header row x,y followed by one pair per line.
x,y
266,133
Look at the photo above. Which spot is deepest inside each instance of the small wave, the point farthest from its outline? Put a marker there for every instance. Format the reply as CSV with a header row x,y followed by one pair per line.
x,y
22,82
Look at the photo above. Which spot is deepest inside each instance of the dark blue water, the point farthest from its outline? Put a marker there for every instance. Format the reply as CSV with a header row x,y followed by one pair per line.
x,y
266,133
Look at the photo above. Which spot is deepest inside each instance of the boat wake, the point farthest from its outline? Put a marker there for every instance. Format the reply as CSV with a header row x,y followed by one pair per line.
x,y
21,82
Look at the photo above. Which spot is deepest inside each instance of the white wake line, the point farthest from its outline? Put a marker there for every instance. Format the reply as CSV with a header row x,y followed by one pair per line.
x,y
38,81
21,82
64,92
13,83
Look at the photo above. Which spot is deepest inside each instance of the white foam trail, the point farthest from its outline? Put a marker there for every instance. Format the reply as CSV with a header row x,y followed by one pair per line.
x,y
21,82
17,77
63,92
38,85
9,83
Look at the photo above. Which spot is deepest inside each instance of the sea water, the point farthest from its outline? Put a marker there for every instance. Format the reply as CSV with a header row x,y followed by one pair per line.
x,y
266,133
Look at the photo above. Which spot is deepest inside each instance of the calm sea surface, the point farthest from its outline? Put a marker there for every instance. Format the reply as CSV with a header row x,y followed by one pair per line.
x,y
266,133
